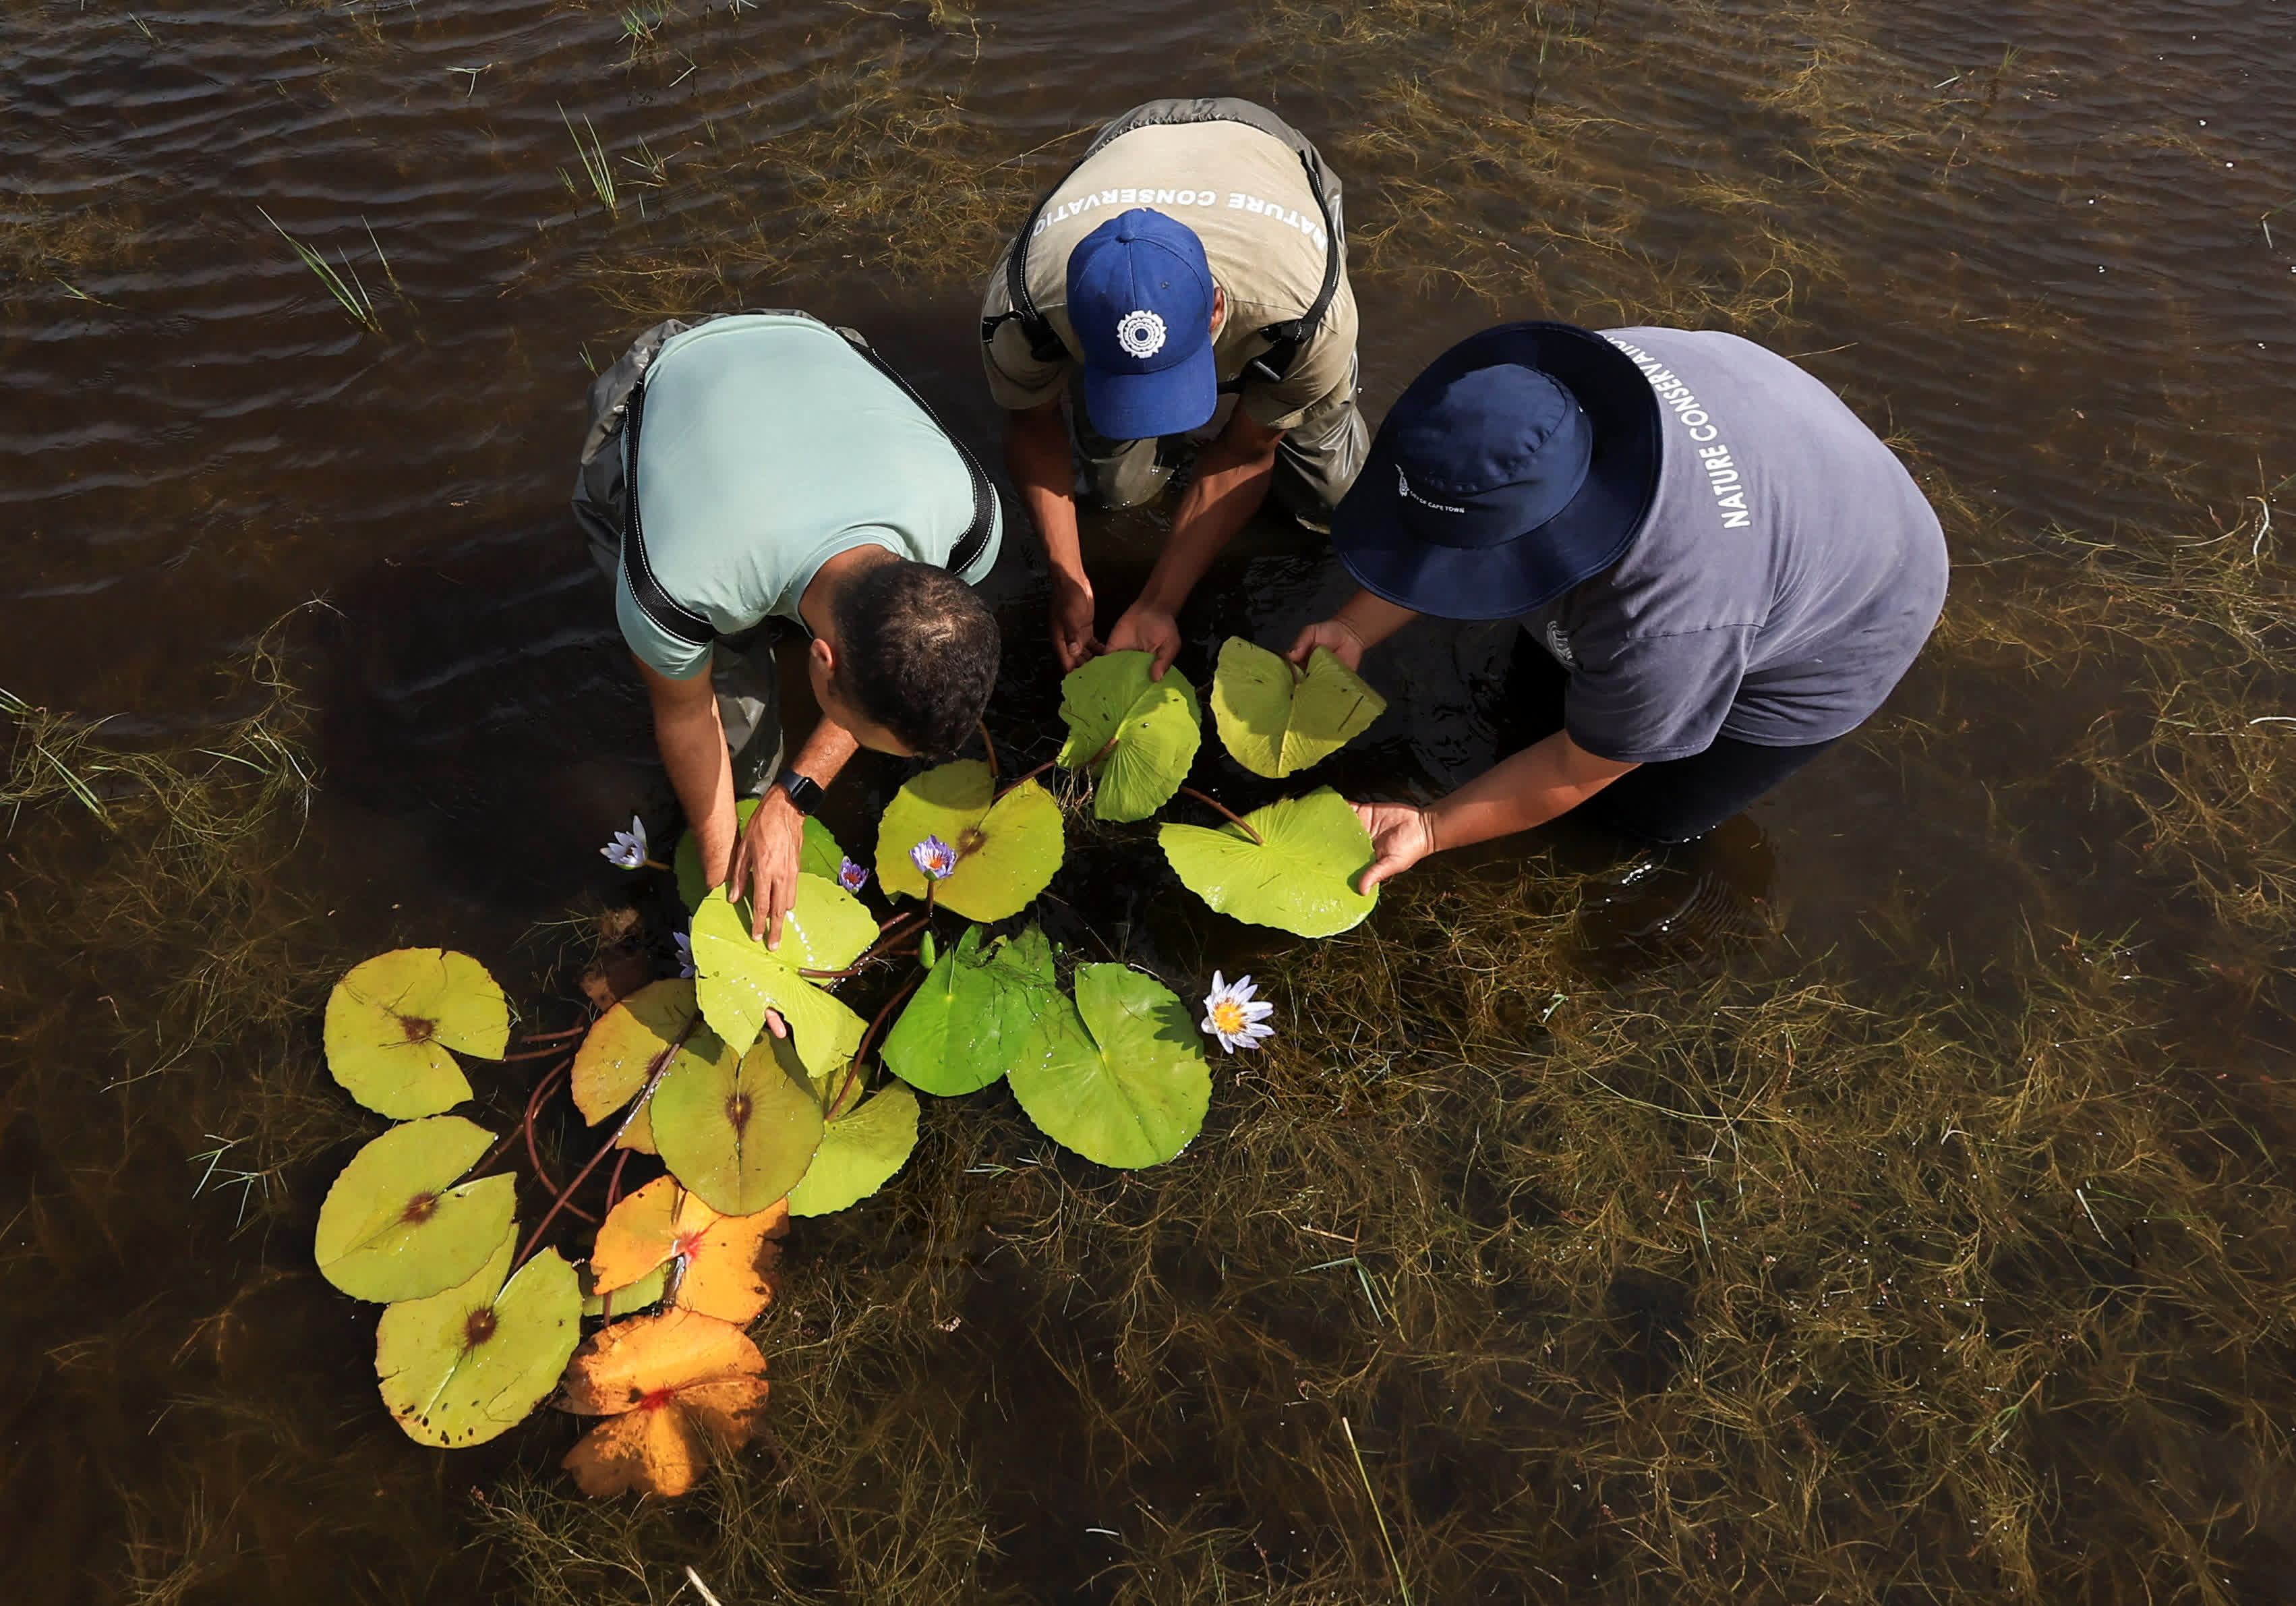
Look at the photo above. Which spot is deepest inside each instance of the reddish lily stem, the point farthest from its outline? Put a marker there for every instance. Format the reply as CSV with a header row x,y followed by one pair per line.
x,y
614,1181
868,1037
533,1054
655,1070
984,742
552,1036
534,1102
876,950
1234,817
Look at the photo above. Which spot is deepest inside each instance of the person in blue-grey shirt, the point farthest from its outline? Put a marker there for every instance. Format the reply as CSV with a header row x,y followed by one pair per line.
x,y
1722,571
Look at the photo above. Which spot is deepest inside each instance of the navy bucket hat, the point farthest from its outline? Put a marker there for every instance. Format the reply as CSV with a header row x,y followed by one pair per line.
x,y
1522,462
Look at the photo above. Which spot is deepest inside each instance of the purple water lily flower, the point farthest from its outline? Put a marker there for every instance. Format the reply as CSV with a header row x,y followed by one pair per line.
x,y
851,877
628,851
935,857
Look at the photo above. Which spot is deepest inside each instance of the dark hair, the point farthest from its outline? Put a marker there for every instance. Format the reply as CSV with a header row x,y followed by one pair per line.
x,y
916,652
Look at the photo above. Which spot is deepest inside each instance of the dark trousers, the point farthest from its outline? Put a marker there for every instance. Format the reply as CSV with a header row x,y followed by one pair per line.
x,y
1671,801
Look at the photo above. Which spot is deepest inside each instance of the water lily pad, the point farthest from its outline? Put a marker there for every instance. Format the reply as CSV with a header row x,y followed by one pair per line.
x,y
623,1301
391,1021
462,1366
397,1226
738,978
739,1134
818,856
721,1266
1143,733
865,1145
612,1064
672,1388
1299,879
1119,1076
1274,721
1007,847
964,1026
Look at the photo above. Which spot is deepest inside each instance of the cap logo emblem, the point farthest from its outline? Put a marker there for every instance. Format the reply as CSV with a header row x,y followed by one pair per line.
x,y
1140,333
1403,488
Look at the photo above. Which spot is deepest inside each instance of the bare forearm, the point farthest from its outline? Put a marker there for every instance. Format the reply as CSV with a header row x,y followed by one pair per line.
x,y
1229,486
694,750
1547,779
1373,619
1036,455
824,752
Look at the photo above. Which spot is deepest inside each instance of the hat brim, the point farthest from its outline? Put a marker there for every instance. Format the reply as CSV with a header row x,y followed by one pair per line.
x,y
1373,535
1138,406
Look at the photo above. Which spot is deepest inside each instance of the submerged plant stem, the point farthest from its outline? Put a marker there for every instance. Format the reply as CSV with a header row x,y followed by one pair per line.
x,y
1233,818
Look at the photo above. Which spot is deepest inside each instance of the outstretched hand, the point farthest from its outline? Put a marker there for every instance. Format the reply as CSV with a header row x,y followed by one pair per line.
x,y
1334,635
765,864
1401,835
1151,631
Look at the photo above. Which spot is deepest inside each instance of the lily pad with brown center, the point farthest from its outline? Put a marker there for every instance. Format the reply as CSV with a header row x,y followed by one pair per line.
x,y
463,1365
398,1224
1007,847
612,1067
738,1133
394,1023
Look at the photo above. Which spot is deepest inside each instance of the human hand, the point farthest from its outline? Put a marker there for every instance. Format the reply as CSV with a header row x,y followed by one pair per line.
x,y
1336,636
1147,630
1401,835
1073,640
765,865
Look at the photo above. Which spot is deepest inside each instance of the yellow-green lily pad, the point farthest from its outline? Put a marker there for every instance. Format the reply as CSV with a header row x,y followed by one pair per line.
x,y
966,1024
1007,848
1274,720
863,1148
466,1364
1138,735
1119,1076
612,1066
739,1134
737,978
391,1022
1300,878
396,1225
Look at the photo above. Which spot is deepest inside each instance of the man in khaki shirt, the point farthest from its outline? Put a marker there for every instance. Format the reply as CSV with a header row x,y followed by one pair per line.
x,y
1195,253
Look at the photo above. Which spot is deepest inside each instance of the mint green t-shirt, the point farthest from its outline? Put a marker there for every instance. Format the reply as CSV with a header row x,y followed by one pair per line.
x,y
769,446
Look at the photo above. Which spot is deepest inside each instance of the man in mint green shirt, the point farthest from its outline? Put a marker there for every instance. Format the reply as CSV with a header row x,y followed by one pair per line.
x,y
757,471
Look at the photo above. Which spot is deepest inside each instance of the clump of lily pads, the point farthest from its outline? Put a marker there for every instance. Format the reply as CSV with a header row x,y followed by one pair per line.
x,y
765,1096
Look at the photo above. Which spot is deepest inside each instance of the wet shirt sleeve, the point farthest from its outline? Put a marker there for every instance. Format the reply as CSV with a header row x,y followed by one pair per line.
x,y
1652,698
1017,379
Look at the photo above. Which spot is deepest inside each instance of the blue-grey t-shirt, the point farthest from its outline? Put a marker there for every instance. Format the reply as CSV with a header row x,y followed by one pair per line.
x,y
770,446
1785,576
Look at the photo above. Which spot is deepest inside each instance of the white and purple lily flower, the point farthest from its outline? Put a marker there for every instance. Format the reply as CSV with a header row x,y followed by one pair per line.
x,y
851,877
685,953
1231,1015
935,857
627,851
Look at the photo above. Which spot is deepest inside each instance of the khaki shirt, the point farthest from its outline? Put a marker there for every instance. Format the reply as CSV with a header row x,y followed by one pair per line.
x,y
1246,197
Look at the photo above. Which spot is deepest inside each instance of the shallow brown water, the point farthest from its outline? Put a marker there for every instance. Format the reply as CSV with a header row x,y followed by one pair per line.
x,y
2037,241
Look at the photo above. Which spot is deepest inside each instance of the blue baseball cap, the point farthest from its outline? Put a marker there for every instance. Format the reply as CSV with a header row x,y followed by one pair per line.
x,y
1522,462
1139,300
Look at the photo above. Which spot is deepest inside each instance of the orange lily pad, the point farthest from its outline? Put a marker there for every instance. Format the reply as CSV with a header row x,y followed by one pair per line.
x,y
719,1265
673,1388
611,1067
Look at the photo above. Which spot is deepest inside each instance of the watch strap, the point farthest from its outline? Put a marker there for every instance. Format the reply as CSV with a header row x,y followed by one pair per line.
x,y
803,792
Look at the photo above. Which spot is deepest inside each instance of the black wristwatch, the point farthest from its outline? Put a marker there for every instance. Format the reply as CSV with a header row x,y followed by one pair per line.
x,y
803,792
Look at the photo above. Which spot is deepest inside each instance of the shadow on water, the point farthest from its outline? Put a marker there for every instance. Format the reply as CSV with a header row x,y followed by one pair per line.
x,y
1887,1199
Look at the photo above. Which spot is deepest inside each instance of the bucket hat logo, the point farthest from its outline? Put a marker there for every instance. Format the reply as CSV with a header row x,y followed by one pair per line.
x,y
1140,333
1403,488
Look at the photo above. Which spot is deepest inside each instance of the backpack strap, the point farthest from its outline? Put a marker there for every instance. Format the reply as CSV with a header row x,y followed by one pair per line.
x,y
668,614
1286,340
